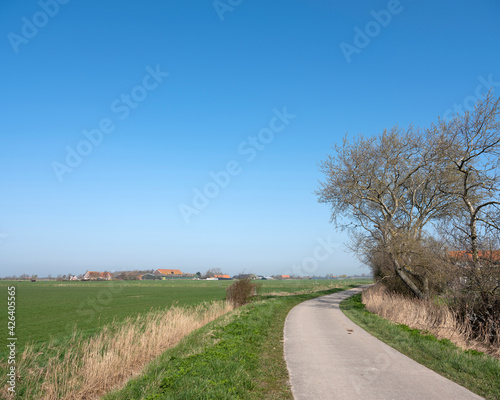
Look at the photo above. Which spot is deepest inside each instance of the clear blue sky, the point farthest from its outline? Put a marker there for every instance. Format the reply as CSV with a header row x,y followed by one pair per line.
x,y
232,69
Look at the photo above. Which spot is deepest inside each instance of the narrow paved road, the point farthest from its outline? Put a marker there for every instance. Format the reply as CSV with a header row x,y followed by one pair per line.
x,y
329,357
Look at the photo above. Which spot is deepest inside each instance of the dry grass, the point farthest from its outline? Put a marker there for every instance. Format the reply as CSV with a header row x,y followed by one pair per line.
x,y
424,315
88,369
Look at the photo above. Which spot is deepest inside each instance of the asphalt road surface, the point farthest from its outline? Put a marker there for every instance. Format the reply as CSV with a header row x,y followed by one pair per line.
x,y
330,357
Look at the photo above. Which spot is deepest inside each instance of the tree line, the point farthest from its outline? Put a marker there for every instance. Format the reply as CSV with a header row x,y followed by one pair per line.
x,y
422,208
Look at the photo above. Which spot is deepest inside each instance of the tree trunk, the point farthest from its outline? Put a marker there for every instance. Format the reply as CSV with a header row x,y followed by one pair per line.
x,y
407,280
473,239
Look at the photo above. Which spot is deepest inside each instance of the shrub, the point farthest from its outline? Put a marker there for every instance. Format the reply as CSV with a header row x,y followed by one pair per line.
x,y
239,292
476,301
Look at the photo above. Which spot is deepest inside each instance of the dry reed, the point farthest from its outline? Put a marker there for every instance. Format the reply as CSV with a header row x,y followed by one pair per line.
x,y
425,315
86,369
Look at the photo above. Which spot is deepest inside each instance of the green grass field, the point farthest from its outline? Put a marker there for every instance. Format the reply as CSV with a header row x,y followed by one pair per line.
x,y
52,310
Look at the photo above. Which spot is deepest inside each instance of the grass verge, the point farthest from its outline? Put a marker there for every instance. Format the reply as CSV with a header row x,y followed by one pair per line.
x,y
239,356
474,370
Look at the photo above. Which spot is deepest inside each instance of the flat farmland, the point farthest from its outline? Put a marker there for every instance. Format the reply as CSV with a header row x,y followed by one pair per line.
x,y
53,310
84,331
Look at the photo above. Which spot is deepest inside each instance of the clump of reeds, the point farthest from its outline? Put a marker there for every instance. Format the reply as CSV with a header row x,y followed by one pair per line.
x,y
426,315
86,369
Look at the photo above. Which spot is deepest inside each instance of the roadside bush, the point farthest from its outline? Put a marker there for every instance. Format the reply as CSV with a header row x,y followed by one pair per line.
x,y
239,292
476,300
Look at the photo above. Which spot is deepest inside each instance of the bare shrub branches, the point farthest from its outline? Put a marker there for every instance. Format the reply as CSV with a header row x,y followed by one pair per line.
x,y
240,292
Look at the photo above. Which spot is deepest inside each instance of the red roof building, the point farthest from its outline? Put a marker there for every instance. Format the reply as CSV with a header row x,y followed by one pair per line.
x,y
97,276
168,272
488,255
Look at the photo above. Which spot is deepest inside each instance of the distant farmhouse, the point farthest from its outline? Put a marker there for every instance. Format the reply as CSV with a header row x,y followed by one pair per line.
x,y
163,274
97,276
147,277
464,259
224,277
245,276
168,272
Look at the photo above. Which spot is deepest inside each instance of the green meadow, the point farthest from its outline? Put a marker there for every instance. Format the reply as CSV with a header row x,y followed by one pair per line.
x,y
48,311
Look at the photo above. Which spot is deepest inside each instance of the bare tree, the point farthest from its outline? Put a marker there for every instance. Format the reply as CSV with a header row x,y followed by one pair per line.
x,y
385,190
470,146
212,272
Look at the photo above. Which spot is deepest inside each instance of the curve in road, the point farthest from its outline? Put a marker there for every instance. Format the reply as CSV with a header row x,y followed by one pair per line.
x,y
330,357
